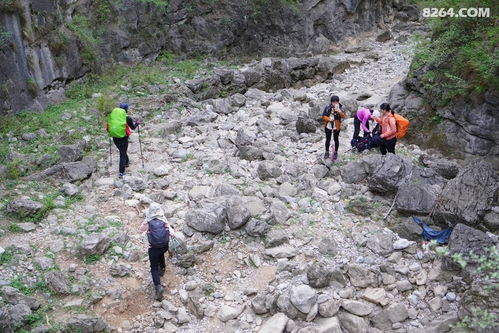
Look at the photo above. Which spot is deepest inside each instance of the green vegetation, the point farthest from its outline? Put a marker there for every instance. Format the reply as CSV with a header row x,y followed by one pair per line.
x,y
158,3
10,6
81,27
6,257
92,259
483,270
32,87
14,228
462,55
5,38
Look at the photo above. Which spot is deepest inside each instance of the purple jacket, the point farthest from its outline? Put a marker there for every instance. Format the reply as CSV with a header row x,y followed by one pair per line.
x,y
364,115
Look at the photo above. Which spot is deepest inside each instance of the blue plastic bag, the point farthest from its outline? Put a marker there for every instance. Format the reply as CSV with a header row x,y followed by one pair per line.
x,y
441,236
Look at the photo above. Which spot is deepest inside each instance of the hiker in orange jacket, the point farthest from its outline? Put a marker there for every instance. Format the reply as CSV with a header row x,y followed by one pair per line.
x,y
332,116
388,129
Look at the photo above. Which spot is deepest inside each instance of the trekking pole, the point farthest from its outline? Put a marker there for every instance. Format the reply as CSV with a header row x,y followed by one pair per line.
x,y
110,154
140,146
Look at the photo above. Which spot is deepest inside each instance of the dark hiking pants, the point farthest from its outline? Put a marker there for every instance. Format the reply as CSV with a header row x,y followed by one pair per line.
x,y
387,145
157,261
122,145
356,126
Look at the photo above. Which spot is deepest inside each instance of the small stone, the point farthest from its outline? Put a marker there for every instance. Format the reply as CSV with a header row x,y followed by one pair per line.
x,y
190,285
451,297
401,244
435,303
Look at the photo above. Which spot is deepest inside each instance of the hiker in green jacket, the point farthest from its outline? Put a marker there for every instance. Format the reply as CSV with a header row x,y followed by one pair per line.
x,y
119,127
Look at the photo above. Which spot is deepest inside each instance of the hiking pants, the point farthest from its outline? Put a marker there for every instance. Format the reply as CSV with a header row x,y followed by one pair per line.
x,y
122,145
157,261
387,145
356,125
336,139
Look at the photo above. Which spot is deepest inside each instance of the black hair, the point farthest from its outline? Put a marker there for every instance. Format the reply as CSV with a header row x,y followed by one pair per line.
x,y
335,98
371,110
386,107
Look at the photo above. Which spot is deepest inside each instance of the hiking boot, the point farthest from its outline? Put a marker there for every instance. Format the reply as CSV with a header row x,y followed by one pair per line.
x,y
159,292
162,271
335,156
121,175
326,154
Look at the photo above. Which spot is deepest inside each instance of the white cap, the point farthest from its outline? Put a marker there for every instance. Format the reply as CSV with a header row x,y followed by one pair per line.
x,y
377,114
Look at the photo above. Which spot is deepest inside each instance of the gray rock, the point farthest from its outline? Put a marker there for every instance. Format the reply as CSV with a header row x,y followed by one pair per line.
x,y
281,252
71,153
387,176
17,313
182,316
444,167
70,189
211,219
221,106
440,325
417,199
384,36
376,296
352,324
13,296
354,172
401,244
274,324
397,312
328,246
256,228
237,215
172,127
68,172
161,171
361,276
408,229
27,227
284,305
318,275
381,243
94,244
287,190
304,125
23,207
329,308
136,183
57,281
86,324
275,238
258,304
464,240
227,313
357,308
28,136
120,270
267,170
303,298
467,198
279,212
328,325
44,263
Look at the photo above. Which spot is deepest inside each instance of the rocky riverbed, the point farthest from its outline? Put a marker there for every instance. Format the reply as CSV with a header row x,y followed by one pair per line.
x,y
279,239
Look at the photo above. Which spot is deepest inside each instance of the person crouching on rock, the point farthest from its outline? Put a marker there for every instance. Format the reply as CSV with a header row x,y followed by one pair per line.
x,y
361,119
158,236
388,138
332,115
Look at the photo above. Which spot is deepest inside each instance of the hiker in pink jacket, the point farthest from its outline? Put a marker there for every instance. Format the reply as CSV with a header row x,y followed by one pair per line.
x,y
362,119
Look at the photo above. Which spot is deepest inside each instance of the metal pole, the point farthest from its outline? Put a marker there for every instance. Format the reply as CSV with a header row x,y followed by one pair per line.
x,y
140,146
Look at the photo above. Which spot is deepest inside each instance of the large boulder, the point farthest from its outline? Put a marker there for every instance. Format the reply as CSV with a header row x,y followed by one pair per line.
x,y
305,125
274,324
444,167
68,172
210,219
13,296
387,176
468,197
267,170
303,298
86,324
464,240
23,207
94,244
71,153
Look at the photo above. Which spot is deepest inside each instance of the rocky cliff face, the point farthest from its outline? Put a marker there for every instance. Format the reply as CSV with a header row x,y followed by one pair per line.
x,y
46,44
464,127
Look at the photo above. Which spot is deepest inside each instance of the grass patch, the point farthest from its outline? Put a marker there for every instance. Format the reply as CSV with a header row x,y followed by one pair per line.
x,y
92,259
6,257
13,227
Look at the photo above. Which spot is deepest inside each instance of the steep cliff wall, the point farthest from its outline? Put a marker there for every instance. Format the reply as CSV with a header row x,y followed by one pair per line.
x,y
46,43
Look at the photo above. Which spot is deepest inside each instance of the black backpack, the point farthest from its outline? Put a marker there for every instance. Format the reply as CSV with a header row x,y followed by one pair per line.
x,y
158,235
